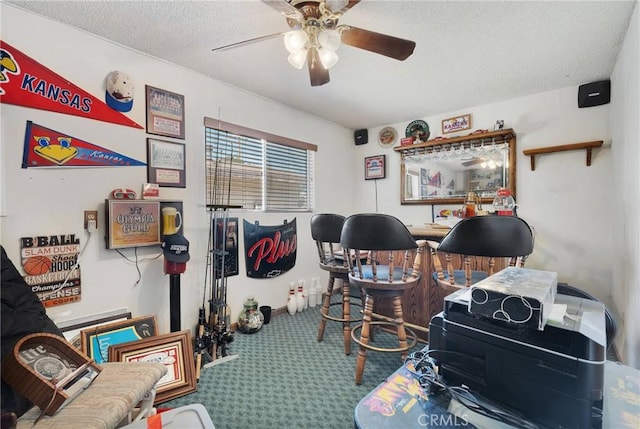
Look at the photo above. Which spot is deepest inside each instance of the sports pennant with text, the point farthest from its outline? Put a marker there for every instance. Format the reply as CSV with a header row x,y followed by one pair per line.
x,y
44,147
25,82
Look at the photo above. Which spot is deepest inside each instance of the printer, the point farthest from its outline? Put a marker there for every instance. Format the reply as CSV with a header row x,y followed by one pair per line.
x,y
553,377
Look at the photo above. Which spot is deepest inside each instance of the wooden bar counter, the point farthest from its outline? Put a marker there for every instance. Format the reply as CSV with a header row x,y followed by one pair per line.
x,y
426,300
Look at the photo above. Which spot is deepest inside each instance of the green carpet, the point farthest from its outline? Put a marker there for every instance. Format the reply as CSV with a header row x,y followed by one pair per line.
x,y
284,378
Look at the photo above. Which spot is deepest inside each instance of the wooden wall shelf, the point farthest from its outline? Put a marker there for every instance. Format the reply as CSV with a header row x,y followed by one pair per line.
x,y
550,149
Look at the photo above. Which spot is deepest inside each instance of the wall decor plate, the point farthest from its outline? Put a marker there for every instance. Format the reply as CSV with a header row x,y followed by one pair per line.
x,y
387,137
418,129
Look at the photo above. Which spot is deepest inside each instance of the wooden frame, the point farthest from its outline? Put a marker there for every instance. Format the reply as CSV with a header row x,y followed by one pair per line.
x,y
410,170
375,167
72,331
95,342
457,123
174,350
165,113
132,223
166,163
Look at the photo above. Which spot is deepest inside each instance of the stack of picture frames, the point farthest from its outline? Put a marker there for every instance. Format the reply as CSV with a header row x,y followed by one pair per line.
x,y
121,338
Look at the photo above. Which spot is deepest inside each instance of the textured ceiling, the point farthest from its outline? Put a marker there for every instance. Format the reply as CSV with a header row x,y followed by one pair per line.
x,y
467,53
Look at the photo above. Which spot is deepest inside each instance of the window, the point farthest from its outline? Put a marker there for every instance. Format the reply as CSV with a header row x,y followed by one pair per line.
x,y
256,170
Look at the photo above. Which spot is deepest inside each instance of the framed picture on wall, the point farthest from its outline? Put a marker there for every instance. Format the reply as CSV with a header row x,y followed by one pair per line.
x,y
166,163
171,217
165,113
132,223
230,235
374,167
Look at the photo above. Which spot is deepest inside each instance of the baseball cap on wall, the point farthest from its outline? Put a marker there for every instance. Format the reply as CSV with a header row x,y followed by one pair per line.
x,y
176,248
119,93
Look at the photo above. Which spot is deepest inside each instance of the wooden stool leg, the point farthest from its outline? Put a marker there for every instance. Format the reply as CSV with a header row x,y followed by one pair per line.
x,y
399,321
346,314
364,338
325,307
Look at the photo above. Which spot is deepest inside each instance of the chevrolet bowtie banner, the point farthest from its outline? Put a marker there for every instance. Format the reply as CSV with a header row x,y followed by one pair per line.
x,y
25,82
44,147
269,250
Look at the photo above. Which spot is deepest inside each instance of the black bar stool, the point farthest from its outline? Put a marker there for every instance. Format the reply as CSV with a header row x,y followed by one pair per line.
x,y
382,277
326,230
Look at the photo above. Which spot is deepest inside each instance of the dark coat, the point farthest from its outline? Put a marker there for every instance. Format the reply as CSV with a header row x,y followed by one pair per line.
x,y
22,314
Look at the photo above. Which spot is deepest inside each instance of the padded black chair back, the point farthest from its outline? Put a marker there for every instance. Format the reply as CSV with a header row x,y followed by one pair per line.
x,y
489,236
327,227
374,231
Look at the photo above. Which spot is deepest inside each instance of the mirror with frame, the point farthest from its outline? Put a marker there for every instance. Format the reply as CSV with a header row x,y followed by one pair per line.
x,y
445,170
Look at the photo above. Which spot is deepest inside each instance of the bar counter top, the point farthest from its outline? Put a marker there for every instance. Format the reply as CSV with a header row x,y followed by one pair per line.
x,y
431,231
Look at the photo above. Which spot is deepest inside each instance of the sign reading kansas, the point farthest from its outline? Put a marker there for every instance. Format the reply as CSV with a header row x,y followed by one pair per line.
x,y
25,82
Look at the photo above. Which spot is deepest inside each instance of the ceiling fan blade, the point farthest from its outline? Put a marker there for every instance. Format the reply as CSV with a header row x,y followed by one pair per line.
x,y
317,73
285,8
383,44
247,42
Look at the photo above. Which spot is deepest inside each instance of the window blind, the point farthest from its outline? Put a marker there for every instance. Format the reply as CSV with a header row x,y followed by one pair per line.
x,y
257,174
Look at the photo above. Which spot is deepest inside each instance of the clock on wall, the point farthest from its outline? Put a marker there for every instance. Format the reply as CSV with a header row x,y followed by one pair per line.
x,y
387,137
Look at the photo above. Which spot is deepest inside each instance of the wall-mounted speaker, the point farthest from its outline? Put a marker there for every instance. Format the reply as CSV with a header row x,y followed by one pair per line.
x,y
594,93
361,136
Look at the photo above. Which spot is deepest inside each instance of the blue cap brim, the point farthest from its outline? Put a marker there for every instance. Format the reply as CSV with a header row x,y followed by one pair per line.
x,y
115,104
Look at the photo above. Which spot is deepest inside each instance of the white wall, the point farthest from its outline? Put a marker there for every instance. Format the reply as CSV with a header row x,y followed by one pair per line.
x,y
52,201
625,129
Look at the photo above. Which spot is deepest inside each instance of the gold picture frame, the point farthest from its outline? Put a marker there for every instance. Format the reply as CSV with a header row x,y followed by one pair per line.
x,y
174,350
132,223
456,123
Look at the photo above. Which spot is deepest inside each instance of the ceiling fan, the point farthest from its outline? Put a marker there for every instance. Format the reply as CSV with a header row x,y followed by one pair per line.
x,y
315,36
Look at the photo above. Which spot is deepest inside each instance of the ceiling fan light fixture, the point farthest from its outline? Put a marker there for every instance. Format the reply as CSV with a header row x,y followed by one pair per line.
x,y
295,40
298,58
328,58
336,5
329,39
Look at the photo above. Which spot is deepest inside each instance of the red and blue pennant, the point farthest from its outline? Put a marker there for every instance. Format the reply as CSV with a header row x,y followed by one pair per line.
x,y
25,82
44,147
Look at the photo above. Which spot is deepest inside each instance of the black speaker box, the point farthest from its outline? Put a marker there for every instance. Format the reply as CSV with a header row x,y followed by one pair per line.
x,y
594,93
361,136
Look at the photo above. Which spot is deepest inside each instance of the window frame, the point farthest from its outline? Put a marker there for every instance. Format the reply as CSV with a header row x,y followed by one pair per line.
x,y
266,140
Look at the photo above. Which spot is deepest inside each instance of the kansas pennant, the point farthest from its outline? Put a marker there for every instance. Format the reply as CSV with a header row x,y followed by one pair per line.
x,y
44,147
25,82
269,250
